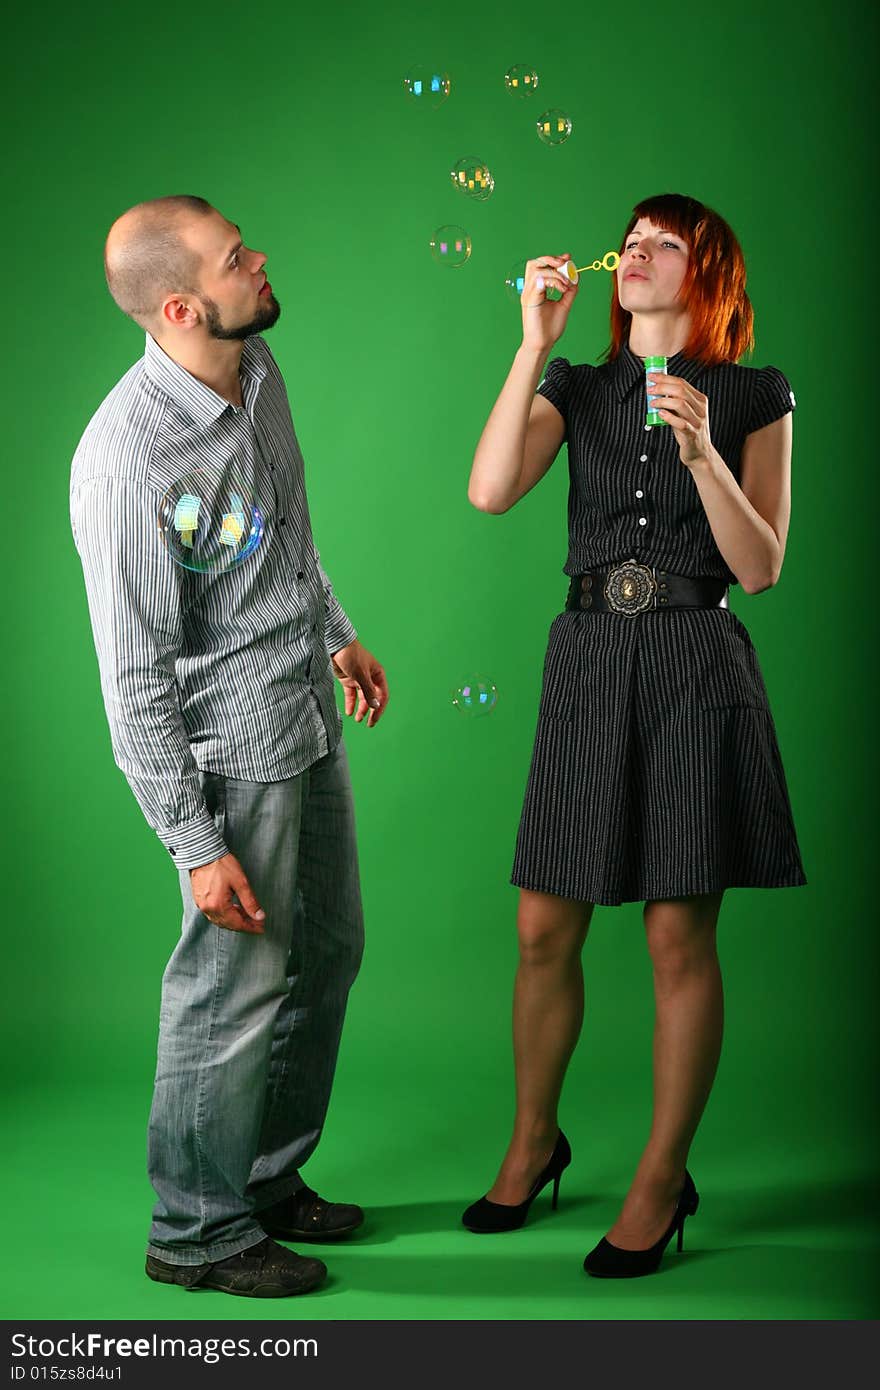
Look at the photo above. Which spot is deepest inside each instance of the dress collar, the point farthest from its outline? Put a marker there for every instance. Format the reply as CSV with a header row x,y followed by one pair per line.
x,y
627,369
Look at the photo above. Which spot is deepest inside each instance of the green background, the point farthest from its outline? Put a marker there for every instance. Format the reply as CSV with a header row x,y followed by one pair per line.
x,y
293,121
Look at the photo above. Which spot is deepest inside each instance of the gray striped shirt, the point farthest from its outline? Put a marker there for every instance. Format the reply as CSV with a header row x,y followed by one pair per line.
x,y
225,672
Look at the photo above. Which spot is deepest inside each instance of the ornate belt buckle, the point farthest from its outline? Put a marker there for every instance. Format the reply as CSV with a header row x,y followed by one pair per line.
x,y
630,588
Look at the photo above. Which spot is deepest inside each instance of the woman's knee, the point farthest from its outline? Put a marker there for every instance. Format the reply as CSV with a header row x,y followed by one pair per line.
x,y
550,929
681,934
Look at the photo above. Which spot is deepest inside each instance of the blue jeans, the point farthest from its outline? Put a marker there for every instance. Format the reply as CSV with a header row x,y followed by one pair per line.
x,y
249,1025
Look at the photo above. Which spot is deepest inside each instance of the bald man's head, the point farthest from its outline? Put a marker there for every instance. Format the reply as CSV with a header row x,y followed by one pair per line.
x,y
147,255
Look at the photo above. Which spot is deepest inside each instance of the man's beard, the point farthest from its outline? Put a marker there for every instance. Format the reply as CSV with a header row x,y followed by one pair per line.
x,y
263,319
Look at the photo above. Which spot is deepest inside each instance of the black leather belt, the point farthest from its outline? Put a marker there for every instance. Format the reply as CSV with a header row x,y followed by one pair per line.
x,y
633,588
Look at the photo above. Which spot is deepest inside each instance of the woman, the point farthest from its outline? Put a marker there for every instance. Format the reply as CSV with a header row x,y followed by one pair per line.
x,y
656,775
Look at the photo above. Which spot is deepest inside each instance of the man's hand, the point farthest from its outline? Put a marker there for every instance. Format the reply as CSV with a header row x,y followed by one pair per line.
x,y
363,681
223,894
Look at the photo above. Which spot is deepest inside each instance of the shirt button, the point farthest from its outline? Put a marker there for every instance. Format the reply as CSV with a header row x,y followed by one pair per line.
x,y
643,458
300,575
647,427
281,521
643,521
314,627
639,492
271,468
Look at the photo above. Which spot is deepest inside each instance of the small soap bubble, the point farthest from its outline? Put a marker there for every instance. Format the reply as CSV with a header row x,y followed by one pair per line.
x,y
553,127
210,521
516,278
521,80
475,696
427,86
450,245
472,178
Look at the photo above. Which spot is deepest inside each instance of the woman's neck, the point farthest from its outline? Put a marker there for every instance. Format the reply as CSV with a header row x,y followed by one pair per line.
x,y
658,335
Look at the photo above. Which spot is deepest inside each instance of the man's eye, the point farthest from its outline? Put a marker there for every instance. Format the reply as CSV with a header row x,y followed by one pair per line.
x,y
234,262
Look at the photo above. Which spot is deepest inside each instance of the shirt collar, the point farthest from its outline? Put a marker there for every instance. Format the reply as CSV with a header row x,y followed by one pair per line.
x,y
627,369
201,403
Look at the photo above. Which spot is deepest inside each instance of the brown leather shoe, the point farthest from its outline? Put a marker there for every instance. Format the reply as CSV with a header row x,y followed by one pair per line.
x,y
306,1216
264,1270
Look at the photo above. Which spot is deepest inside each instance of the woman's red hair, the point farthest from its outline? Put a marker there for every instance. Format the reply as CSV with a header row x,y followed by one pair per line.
x,y
714,287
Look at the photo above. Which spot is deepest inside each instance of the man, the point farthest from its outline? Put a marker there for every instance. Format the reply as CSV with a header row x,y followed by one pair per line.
x,y
219,695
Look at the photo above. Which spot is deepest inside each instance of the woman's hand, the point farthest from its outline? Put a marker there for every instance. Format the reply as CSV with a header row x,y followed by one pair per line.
x,y
687,411
544,319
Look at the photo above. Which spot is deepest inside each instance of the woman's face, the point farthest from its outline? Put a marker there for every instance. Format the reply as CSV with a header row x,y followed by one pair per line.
x,y
652,267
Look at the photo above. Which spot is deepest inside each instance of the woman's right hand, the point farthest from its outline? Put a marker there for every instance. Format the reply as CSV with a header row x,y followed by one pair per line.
x,y
544,319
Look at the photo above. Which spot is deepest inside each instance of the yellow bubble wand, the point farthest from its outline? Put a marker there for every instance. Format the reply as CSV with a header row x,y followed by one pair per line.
x,y
610,261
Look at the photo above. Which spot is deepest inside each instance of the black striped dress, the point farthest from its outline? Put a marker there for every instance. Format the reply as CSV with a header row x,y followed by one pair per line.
x,y
656,771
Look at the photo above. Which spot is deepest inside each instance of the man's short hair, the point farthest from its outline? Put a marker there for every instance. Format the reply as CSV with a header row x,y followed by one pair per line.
x,y
152,259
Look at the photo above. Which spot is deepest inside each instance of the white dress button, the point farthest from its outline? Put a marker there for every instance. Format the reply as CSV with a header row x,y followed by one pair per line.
x,y
643,458
643,521
639,492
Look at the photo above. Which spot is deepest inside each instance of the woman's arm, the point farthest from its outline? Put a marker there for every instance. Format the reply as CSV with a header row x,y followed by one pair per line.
x,y
524,432
522,437
750,520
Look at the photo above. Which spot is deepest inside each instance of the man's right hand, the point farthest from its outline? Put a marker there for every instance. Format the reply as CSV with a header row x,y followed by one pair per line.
x,y
216,887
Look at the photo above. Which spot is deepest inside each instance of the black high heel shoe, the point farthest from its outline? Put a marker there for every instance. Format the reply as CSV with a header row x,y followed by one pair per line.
x,y
608,1261
485,1216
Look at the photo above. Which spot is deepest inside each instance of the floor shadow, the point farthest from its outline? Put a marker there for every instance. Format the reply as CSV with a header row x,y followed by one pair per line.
x,y
755,1281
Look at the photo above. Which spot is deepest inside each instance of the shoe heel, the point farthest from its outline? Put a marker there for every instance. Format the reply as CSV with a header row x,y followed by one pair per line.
x,y
556,1182
680,1242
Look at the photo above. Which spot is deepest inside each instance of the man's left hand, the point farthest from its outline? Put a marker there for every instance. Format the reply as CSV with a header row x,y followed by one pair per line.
x,y
363,680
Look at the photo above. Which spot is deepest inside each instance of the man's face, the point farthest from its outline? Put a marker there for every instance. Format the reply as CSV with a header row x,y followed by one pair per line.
x,y
234,293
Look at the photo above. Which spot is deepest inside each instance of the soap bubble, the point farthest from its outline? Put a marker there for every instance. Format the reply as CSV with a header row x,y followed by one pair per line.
x,y
521,80
475,696
554,127
427,86
471,177
515,281
450,245
210,521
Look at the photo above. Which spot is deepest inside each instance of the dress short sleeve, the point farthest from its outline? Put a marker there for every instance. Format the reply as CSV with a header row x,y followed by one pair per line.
x,y
555,385
772,397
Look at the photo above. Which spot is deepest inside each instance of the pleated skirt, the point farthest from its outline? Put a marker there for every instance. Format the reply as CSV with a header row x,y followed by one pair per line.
x,y
656,771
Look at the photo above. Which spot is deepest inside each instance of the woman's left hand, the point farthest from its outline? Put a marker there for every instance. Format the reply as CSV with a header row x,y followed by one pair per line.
x,y
687,411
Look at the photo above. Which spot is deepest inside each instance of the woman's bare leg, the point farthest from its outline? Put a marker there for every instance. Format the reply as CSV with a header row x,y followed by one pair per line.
x,y
688,1027
548,1009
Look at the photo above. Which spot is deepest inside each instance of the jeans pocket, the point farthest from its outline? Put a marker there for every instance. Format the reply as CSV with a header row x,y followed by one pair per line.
x,y
214,792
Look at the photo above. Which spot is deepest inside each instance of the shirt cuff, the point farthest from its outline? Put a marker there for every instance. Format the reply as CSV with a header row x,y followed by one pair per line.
x,y
197,843
339,631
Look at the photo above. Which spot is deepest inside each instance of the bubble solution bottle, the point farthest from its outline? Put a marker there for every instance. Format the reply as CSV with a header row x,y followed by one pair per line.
x,y
653,364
